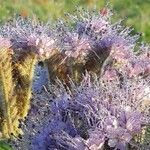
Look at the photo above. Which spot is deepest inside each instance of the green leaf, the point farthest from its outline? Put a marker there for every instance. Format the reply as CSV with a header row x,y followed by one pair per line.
x,y
4,146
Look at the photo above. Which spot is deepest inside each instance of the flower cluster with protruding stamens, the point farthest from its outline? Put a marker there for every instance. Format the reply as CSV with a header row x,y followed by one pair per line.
x,y
101,99
94,114
30,36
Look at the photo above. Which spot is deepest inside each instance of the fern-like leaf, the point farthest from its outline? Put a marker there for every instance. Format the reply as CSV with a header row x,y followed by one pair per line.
x,y
8,110
23,75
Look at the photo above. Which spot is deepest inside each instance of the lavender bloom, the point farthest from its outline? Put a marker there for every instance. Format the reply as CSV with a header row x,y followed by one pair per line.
x,y
96,139
77,46
90,22
89,116
72,44
4,43
93,43
28,35
120,119
105,110
110,75
128,62
43,44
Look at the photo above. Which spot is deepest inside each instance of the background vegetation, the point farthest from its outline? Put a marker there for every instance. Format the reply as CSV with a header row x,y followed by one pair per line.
x,y
135,12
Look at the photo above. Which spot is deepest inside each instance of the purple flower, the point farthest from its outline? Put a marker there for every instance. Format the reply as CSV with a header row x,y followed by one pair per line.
x,y
90,21
77,47
110,75
93,39
96,139
91,115
106,109
4,43
30,36
43,44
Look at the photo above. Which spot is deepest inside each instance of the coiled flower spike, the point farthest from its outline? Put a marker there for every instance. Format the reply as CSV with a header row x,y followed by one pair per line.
x,y
31,42
8,104
91,43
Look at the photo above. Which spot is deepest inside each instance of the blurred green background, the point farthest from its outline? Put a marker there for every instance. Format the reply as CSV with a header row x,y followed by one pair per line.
x,y
135,12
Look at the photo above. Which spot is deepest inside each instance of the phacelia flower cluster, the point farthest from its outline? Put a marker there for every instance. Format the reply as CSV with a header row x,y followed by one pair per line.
x,y
90,41
4,43
30,36
93,115
106,108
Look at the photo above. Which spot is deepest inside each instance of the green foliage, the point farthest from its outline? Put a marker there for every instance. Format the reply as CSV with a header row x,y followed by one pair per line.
x,y
15,90
4,146
8,109
23,75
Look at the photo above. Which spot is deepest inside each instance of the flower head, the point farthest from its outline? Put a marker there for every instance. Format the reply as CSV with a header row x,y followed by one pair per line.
x,y
76,46
89,116
4,43
91,39
106,109
30,36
